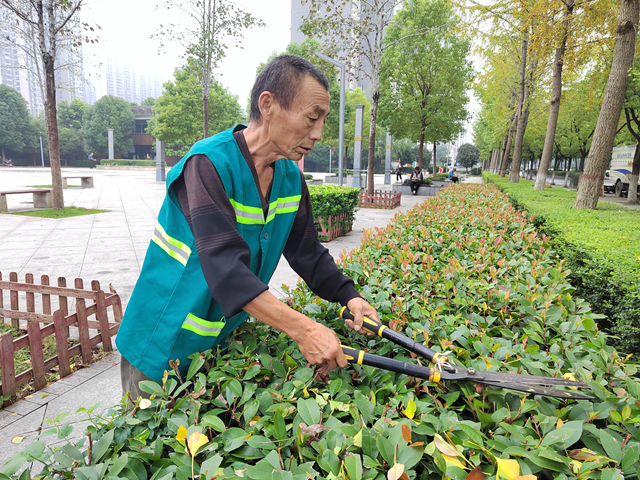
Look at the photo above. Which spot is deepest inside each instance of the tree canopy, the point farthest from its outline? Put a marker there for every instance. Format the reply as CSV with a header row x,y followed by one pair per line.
x,y
424,79
15,121
468,155
108,112
179,114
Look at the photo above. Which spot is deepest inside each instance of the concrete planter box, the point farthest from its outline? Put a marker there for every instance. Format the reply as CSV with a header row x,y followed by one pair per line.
x,y
425,191
331,179
315,181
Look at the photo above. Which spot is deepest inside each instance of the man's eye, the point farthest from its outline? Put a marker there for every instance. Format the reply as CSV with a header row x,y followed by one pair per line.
x,y
313,119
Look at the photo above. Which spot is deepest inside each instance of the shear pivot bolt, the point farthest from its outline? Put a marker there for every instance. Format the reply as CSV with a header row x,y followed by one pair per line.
x,y
471,371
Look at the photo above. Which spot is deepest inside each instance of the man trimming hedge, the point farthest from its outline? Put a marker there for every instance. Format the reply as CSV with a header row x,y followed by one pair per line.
x,y
235,203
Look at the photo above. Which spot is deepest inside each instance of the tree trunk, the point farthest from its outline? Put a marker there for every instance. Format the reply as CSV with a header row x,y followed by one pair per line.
x,y
633,178
507,149
566,174
514,173
434,159
52,132
421,149
205,115
554,107
583,156
590,186
3,157
375,96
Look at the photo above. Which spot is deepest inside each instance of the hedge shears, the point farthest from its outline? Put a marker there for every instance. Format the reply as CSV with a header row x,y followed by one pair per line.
x,y
444,370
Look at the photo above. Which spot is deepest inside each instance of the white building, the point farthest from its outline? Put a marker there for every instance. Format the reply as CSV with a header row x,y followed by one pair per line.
x,y
124,82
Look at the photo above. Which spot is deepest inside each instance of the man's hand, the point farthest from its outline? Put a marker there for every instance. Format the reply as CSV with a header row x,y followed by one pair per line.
x,y
319,344
322,346
359,307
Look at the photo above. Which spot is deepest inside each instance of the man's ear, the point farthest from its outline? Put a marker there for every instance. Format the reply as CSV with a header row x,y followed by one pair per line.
x,y
266,104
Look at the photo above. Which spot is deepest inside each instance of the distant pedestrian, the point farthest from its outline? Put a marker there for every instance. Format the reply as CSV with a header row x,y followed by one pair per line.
x,y
416,180
398,173
92,161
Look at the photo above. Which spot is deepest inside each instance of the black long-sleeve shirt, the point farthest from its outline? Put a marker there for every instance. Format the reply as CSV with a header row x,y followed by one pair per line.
x,y
225,256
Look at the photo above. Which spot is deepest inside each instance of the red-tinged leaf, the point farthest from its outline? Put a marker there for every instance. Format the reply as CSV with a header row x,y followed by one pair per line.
x,y
417,444
406,433
476,474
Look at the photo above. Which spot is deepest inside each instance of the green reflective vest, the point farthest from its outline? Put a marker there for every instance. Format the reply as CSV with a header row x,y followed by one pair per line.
x,y
171,313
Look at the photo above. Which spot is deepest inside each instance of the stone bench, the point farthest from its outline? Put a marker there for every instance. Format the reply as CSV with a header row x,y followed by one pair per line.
x,y
85,182
42,197
424,190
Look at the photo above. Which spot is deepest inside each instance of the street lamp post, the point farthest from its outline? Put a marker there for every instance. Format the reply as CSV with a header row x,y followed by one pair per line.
x,y
343,82
41,151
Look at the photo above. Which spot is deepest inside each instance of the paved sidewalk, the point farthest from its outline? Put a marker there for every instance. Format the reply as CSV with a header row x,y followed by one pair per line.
x,y
109,247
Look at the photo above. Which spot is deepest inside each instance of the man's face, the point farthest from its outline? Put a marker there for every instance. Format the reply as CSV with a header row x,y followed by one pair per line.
x,y
295,131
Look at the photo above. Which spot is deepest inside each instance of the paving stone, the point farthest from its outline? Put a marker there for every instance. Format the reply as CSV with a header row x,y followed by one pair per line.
x,y
22,407
7,418
28,427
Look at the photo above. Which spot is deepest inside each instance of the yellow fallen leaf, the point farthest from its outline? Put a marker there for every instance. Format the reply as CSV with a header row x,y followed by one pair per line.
x,y
181,436
44,395
526,477
444,447
145,403
570,376
254,420
357,440
29,396
196,440
410,411
507,469
17,439
395,472
452,461
559,423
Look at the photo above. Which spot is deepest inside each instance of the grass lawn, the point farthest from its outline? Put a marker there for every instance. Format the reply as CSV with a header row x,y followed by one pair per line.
x,y
62,213
51,186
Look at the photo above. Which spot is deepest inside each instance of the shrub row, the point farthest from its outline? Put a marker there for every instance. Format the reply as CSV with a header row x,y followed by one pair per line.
x,y
601,248
464,272
333,200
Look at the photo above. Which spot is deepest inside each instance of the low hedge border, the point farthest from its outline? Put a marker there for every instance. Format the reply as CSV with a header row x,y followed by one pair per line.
x,y
601,248
464,272
331,201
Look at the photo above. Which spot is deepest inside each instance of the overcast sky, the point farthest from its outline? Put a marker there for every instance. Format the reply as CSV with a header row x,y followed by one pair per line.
x,y
127,26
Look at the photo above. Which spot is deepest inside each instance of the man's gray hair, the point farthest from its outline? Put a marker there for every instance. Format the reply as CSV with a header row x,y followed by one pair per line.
x,y
282,77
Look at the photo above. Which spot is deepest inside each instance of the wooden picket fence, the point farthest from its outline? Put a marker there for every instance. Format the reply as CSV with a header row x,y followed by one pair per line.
x,y
336,226
379,199
88,303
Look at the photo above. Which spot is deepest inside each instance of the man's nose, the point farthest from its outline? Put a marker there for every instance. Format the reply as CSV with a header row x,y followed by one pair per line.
x,y
316,132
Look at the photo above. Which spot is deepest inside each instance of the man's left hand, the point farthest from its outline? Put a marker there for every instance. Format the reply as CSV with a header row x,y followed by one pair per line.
x,y
359,307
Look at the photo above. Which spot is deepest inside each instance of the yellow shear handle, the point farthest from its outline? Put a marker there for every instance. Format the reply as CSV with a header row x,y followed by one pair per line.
x,y
361,358
369,324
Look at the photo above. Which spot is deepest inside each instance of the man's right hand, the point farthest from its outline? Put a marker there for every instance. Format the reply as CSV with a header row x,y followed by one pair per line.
x,y
319,344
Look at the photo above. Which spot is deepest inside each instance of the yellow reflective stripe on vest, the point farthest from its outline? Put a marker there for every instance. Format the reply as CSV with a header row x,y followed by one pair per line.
x,y
175,248
202,327
255,215
283,205
247,215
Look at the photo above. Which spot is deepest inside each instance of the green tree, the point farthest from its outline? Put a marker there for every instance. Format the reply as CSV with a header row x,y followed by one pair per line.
x,y
51,24
179,116
212,23
15,120
70,114
358,39
468,155
71,144
590,184
424,79
108,112
148,102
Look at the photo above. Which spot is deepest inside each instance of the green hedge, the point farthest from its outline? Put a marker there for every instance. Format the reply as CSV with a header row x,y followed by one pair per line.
x,y
331,200
425,181
464,272
601,248
128,162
